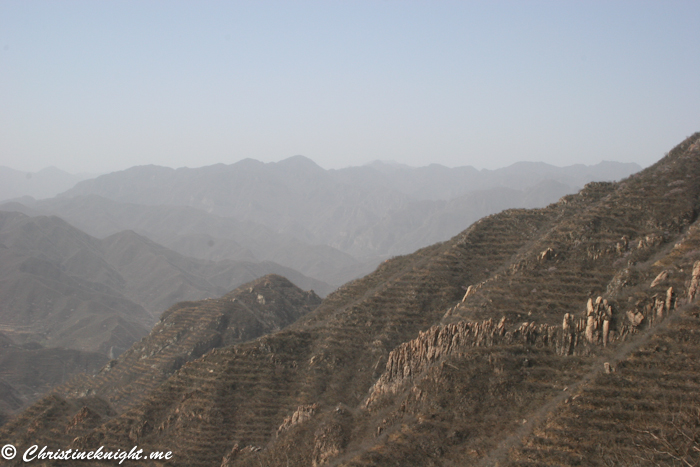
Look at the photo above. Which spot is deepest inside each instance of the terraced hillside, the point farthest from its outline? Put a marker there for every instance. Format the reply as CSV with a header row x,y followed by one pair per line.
x,y
70,302
190,329
525,340
29,371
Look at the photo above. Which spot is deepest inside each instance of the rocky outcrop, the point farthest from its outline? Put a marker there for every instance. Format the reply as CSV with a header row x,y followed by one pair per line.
x,y
300,415
650,241
694,282
670,299
85,418
331,437
470,291
598,326
652,309
598,317
663,275
635,317
411,358
547,255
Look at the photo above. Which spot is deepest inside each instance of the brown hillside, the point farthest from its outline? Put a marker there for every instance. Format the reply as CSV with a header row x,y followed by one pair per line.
x,y
188,330
525,340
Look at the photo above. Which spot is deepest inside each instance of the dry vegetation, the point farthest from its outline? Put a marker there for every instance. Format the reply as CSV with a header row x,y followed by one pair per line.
x,y
398,368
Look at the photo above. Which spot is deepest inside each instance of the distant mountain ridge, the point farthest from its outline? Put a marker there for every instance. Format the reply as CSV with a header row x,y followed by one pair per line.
x,y
142,184
332,225
369,212
45,183
195,233
437,182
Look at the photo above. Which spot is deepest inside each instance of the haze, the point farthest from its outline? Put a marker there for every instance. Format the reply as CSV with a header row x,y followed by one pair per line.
x,y
102,86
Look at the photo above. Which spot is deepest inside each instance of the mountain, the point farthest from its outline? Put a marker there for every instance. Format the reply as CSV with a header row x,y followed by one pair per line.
x,y
190,329
196,233
63,288
294,196
57,290
565,335
331,225
338,208
427,222
69,301
29,371
45,183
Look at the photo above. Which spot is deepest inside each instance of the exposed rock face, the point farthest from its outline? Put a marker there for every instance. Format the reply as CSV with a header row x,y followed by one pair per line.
x,y
663,275
598,314
300,415
635,317
470,291
694,282
331,437
409,360
547,255
83,419
670,299
650,241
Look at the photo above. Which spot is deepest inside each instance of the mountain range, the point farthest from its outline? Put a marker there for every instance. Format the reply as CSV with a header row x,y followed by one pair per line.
x,y
563,335
332,225
343,209
75,295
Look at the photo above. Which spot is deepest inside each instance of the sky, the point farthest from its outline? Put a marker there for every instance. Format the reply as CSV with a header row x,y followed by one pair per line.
x,y
100,86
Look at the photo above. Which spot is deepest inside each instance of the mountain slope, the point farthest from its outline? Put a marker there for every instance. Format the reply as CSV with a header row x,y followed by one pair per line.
x,y
29,371
69,302
184,333
196,233
190,329
63,288
45,299
447,356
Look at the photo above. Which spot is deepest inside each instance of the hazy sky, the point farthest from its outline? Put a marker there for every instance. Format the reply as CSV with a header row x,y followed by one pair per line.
x,y
103,85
